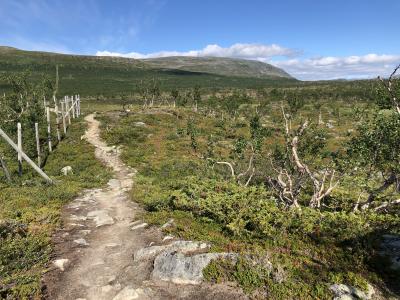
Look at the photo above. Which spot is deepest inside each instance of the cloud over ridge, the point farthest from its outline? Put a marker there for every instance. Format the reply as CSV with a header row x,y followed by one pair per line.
x,y
239,50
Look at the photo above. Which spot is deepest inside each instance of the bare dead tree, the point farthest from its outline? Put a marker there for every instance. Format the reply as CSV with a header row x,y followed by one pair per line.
x,y
292,178
389,87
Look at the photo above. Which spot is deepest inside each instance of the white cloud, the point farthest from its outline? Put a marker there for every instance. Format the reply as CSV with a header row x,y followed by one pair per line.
x,y
247,51
348,67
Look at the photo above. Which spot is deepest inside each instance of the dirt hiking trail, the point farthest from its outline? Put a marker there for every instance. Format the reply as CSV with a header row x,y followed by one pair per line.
x,y
95,248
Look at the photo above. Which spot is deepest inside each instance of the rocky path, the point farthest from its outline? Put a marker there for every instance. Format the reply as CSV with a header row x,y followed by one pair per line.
x,y
95,249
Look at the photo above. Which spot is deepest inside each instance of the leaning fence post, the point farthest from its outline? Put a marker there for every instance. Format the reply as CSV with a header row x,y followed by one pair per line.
x,y
19,139
38,144
49,129
23,155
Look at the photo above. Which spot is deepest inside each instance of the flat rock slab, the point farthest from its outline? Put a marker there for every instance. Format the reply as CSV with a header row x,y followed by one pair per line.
x,y
100,217
178,268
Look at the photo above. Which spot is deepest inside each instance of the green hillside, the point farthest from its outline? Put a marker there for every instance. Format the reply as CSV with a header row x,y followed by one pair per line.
x,y
94,75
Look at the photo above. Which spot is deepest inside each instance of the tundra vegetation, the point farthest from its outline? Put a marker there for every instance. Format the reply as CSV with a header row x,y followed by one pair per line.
x,y
300,179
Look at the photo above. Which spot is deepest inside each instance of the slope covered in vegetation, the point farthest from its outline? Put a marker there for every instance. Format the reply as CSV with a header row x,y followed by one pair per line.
x,y
115,76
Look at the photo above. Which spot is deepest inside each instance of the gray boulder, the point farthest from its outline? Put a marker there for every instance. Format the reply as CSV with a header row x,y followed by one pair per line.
x,y
67,170
347,292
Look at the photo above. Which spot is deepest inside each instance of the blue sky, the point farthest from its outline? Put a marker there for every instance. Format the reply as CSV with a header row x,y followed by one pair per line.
x,y
311,39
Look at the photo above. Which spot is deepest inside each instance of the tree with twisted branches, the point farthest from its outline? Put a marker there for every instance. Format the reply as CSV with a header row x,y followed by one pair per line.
x,y
291,175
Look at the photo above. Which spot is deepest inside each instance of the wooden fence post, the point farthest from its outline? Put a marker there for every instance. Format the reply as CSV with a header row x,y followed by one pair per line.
x,y
38,144
67,109
49,129
24,156
57,119
19,141
63,117
79,105
73,107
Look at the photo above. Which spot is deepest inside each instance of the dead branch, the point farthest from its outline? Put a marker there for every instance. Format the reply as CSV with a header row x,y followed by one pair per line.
x,y
250,169
250,164
386,184
387,204
229,165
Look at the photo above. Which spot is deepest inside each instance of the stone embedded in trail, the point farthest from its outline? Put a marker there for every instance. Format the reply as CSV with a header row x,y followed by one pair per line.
x,y
181,246
168,237
135,222
100,217
139,226
180,269
75,225
114,183
77,218
81,242
113,245
85,231
61,263
128,293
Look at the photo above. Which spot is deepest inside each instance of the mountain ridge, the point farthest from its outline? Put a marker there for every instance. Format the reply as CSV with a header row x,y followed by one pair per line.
x,y
223,66
219,65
